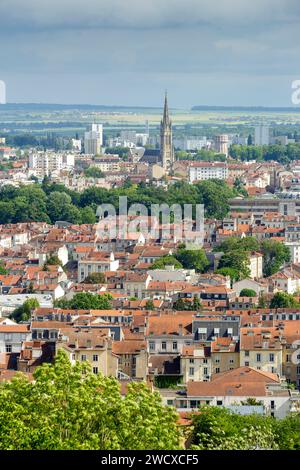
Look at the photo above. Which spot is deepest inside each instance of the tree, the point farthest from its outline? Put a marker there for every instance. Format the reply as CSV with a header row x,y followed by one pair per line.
x,y
262,301
23,313
192,259
93,172
242,244
248,293
164,261
238,261
69,408
182,304
216,428
283,300
88,215
3,270
149,305
60,207
249,140
215,194
86,301
274,255
232,273
53,260
288,431
95,278
251,401
196,304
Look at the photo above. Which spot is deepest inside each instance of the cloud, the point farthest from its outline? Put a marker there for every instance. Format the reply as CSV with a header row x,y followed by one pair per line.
x,y
147,45
138,14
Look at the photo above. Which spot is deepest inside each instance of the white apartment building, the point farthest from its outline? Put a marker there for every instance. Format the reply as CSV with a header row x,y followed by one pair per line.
x,y
192,143
207,170
43,164
294,248
12,337
256,265
93,139
76,144
96,262
262,135
108,164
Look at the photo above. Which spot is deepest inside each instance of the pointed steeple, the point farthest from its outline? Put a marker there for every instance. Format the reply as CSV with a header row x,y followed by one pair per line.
x,y
166,118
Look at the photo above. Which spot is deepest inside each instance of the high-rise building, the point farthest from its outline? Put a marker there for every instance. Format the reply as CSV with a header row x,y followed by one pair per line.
x,y
221,144
43,164
147,130
166,143
262,135
93,139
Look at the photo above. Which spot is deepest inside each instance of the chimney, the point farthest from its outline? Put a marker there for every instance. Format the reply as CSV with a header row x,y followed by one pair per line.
x,y
76,343
180,329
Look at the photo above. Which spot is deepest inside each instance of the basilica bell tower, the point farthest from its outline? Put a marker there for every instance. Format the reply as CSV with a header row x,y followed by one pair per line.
x,y
166,141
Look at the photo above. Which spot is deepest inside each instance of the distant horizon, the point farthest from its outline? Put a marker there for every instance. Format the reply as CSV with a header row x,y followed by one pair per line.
x,y
196,107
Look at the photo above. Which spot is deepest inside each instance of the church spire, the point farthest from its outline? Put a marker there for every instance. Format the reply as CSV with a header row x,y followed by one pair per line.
x,y
166,144
166,119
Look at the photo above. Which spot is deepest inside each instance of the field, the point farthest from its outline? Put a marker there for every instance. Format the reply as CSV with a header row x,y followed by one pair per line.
x,y
69,120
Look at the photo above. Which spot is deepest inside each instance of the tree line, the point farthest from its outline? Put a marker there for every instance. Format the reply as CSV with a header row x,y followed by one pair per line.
x,y
49,203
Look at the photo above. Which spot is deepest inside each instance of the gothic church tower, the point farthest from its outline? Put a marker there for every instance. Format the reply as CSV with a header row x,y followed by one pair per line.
x,y
166,141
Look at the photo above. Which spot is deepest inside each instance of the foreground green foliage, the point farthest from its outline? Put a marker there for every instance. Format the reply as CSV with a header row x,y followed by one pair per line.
x,y
216,428
68,407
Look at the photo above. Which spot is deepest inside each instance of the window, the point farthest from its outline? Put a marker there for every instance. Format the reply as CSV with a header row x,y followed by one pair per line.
x,y
95,357
258,357
73,357
170,402
217,370
271,357
194,403
83,357
272,403
7,337
219,402
152,346
192,361
217,360
204,361
95,370
164,345
191,372
174,345
205,370
247,364
247,353
231,361
8,348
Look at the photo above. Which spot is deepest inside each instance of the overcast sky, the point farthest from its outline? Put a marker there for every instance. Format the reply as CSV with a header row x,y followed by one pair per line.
x,y
127,52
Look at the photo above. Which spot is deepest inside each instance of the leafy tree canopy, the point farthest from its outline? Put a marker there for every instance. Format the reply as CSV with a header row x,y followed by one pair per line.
x,y
23,313
69,408
95,278
86,301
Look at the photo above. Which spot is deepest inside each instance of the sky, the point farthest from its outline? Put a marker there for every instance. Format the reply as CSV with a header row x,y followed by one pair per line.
x,y
127,52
